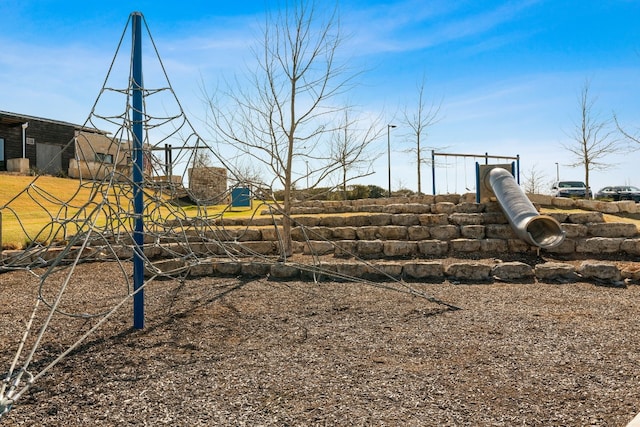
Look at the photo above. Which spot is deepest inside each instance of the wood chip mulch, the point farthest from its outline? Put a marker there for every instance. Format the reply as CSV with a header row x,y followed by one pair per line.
x,y
243,352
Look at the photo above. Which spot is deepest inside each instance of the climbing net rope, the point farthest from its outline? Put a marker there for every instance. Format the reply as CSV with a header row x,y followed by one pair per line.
x,y
95,222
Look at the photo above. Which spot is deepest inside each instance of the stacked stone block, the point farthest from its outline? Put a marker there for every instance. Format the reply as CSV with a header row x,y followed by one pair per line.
x,y
413,240
448,229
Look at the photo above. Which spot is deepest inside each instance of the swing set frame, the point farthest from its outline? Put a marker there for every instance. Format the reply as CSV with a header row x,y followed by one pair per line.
x,y
486,156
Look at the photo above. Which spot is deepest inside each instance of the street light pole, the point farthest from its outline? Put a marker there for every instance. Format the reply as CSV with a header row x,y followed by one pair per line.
x,y
557,172
389,127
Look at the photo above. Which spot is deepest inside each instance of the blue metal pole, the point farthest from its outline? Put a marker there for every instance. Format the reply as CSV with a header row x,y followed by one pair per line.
x,y
138,178
433,171
477,182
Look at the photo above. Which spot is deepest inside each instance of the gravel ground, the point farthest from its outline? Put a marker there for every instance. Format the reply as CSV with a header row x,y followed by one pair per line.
x,y
239,352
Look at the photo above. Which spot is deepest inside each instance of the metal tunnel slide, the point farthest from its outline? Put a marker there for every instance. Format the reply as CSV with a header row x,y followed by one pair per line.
x,y
539,230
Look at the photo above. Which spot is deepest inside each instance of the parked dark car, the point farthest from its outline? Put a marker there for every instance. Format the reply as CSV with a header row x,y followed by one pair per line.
x,y
619,192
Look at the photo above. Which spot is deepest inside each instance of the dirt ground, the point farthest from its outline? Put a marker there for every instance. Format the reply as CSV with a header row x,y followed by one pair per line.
x,y
241,352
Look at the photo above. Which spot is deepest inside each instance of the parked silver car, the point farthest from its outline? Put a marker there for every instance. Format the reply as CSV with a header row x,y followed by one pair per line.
x,y
570,189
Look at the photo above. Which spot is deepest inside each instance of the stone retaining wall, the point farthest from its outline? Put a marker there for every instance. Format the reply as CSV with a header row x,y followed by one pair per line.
x,y
444,228
452,238
606,273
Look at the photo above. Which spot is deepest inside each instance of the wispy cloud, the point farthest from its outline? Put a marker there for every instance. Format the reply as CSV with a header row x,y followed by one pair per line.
x,y
412,25
53,82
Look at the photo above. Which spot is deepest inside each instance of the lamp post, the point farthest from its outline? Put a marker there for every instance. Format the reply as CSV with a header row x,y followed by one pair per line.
x,y
557,172
389,127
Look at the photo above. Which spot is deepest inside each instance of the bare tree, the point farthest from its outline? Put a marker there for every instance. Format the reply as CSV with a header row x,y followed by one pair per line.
x,y
592,137
247,174
201,158
351,148
282,112
627,135
419,120
534,181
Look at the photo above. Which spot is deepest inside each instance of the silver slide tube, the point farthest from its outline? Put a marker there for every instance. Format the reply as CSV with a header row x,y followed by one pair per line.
x,y
539,230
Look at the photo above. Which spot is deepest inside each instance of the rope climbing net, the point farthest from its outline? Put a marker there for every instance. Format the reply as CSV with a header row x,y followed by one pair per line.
x,y
94,222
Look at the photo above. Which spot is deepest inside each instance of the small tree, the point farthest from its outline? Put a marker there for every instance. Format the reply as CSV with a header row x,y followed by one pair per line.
x,y
419,120
534,181
592,138
280,115
247,174
351,149
201,158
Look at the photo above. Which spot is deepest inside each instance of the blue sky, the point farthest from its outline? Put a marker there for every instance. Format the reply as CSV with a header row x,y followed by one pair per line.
x,y
508,73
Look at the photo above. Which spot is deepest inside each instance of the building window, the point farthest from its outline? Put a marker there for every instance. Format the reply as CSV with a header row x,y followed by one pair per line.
x,y
104,158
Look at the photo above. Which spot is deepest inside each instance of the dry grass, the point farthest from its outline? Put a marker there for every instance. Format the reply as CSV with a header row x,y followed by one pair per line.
x,y
621,217
39,204
29,204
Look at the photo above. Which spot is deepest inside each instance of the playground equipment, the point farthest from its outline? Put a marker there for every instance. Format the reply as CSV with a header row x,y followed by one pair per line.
x,y
126,218
539,230
501,182
435,163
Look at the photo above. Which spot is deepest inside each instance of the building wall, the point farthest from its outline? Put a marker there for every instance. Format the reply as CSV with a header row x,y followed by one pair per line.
x,y
74,149
12,135
42,132
90,147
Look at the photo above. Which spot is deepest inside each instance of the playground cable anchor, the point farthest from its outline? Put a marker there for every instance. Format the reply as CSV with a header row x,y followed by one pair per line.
x,y
8,399
5,406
